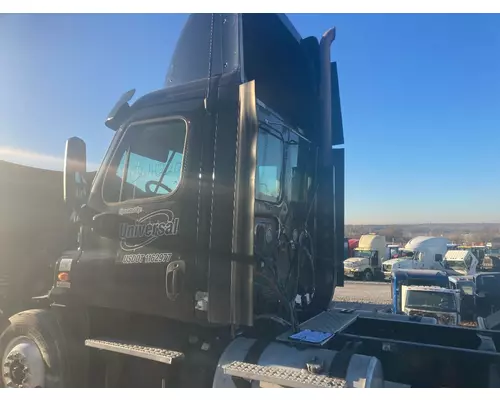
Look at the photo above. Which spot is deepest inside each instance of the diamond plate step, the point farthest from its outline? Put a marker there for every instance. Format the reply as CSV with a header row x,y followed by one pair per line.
x,y
132,349
287,377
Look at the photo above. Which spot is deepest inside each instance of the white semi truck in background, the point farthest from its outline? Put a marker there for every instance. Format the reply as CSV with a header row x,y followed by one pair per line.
x,y
428,253
432,253
368,258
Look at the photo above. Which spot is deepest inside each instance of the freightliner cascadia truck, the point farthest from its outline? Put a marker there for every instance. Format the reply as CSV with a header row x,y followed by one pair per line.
x,y
210,241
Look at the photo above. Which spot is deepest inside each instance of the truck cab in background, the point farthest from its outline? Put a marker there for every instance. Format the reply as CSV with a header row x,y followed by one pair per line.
x,y
367,259
491,261
414,277
352,245
486,293
480,293
460,262
440,303
428,253
466,286
478,251
392,251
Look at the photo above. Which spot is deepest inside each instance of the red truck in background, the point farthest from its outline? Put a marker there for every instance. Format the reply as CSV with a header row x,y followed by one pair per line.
x,y
349,246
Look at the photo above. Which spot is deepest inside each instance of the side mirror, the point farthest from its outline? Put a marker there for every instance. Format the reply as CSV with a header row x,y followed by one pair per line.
x,y
75,169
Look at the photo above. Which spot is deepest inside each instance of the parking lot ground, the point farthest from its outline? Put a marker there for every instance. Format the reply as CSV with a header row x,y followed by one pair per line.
x,y
362,295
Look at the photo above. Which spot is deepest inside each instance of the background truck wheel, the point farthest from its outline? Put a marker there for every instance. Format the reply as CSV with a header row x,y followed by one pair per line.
x,y
368,275
32,351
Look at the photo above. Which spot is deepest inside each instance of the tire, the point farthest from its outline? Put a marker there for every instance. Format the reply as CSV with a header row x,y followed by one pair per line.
x,y
34,343
368,275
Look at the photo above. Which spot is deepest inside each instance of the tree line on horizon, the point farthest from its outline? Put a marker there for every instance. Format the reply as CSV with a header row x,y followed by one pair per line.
x,y
457,233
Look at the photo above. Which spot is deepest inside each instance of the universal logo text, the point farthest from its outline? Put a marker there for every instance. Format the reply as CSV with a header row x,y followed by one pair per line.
x,y
147,229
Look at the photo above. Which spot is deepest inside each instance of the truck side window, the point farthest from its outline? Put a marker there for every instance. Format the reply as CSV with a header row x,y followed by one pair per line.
x,y
438,257
269,167
147,163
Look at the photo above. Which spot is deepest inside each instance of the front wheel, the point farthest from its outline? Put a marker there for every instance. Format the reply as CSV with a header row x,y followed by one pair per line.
x,y
32,351
368,275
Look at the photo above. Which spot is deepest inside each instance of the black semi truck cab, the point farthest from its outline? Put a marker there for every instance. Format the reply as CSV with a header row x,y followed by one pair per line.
x,y
216,201
218,209
211,239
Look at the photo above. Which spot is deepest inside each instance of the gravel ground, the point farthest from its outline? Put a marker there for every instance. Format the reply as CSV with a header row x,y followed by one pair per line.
x,y
362,295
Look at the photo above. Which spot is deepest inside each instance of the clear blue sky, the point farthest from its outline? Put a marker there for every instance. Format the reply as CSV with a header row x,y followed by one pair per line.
x,y
420,97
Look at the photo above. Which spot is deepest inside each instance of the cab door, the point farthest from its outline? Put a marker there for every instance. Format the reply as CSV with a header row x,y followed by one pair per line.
x,y
141,254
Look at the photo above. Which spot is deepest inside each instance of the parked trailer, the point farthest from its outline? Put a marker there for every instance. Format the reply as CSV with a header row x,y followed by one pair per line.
x,y
212,265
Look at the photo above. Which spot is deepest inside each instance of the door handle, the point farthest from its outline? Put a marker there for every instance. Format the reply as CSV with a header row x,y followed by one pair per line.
x,y
174,278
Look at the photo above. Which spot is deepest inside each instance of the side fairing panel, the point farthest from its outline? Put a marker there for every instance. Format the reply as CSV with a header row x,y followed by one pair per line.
x,y
231,261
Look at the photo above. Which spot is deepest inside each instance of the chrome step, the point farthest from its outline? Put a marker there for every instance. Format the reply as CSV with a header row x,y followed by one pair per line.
x,y
136,350
288,377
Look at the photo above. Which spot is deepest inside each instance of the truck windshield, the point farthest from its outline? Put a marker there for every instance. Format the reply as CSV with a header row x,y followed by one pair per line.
x,y
456,265
431,300
363,253
405,253
147,161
